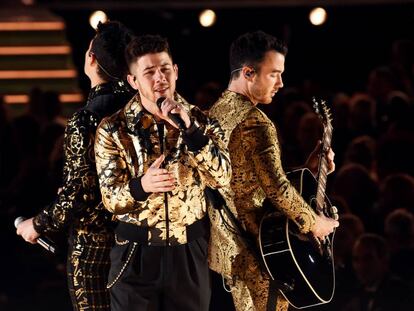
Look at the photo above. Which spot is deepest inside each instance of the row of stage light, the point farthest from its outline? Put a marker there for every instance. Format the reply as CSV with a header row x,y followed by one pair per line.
x,y
207,18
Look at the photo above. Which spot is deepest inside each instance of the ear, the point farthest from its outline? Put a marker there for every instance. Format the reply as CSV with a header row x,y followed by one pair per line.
x,y
91,59
247,73
132,80
175,67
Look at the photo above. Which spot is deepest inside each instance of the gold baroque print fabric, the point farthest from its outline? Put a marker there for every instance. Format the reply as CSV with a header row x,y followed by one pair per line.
x,y
128,143
257,174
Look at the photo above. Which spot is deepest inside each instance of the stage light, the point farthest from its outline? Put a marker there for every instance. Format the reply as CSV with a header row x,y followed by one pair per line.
x,y
96,17
207,18
317,16
28,2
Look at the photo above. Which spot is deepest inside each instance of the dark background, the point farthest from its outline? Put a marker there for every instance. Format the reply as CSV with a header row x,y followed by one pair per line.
x,y
338,55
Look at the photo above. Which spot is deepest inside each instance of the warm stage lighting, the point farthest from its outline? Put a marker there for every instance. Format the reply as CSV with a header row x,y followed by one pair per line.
x,y
318,16
207,18
96,17
28,2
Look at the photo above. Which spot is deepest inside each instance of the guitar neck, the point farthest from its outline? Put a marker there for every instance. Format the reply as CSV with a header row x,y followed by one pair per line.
x,y
323,168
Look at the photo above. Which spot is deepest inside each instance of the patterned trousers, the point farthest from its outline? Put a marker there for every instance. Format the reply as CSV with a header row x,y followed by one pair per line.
x,y
87,270
251,289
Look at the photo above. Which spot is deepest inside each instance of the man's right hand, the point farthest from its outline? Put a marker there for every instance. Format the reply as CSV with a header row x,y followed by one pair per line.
x,y
157,179
27,231
323,226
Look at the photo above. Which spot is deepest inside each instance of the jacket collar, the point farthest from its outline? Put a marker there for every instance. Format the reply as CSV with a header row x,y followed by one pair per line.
x,y
106,98
236,102
231,109
137,115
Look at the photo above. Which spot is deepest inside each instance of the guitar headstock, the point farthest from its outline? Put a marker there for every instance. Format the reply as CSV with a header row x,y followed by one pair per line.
x,y
322,111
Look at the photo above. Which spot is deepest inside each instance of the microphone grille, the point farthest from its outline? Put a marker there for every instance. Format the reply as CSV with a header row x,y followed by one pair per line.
x,y
18,220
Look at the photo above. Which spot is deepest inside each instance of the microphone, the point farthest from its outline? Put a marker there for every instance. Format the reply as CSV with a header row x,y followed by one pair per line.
x,y
173,116
44,242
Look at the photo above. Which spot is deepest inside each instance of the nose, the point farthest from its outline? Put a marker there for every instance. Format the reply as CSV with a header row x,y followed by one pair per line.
x,y
279,82
159,75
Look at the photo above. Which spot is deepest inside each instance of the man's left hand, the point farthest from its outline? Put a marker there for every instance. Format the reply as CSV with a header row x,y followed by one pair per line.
x,y
170,105
312,162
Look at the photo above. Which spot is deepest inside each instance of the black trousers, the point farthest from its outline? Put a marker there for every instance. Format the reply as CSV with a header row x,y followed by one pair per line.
x,y
160,278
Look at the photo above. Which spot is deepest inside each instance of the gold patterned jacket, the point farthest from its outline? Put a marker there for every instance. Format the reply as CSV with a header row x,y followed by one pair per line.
x,y
128,142
257,174
79,203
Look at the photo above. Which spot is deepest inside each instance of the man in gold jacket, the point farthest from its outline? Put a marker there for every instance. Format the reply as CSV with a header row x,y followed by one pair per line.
x,y
256,63
154,159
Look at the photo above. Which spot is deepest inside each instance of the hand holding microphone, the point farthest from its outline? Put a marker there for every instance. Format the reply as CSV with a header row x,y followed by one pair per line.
x,y
29,234
193,137
175,113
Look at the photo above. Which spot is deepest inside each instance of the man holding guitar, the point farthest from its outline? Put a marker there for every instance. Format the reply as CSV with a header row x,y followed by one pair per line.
x,y
256,63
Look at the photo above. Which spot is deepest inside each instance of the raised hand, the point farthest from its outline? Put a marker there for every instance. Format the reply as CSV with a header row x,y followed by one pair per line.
x,y
313,160
171,106
323,226
157,179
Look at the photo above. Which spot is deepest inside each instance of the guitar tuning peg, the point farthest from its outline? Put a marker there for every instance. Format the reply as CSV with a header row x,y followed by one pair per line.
x,y
334,212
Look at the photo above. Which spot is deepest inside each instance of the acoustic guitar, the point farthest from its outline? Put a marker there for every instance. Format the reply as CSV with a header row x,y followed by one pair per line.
x,y
302,261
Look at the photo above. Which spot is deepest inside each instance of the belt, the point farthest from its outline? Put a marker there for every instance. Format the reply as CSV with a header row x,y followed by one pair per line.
x,y
134,233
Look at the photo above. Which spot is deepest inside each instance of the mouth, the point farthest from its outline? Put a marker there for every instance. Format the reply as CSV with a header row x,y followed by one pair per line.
x,y
274,92
162,89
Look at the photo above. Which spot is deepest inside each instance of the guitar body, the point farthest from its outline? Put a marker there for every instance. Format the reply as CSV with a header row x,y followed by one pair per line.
x,y
293,258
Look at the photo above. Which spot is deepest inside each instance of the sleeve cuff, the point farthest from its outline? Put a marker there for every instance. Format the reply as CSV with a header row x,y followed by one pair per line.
x,y
194,138
37,224
136,189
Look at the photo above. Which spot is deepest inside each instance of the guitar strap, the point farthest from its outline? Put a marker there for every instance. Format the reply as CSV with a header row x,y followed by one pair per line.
x,y
272,297
246,238
248,241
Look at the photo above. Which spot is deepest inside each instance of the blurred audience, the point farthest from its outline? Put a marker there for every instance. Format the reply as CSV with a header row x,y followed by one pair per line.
x,y
346,235
362,119
399,233
207,94
355,185
362,150
377,288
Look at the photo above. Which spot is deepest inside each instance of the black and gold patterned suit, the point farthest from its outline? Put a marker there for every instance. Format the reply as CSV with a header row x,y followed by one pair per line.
x,y
79,206
257,174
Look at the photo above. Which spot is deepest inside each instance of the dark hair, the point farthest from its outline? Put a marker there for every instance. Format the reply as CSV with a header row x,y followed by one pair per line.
x,y
109,45
376,242
52,104
146,44
250,48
